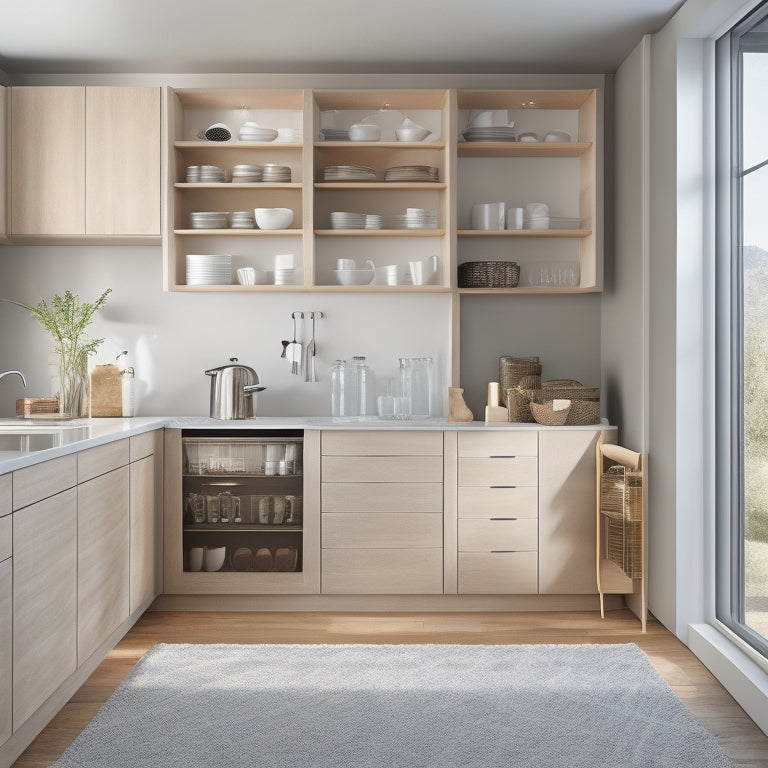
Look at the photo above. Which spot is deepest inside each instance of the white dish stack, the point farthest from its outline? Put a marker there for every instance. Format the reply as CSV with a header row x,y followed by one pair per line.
x,y
276,173
536,216
208,220
246,172
254,132
209,269
242,220
204,174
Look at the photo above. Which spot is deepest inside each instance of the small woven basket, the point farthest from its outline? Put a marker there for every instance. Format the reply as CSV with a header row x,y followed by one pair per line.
x,y
522,372
546,415
585,401
489,274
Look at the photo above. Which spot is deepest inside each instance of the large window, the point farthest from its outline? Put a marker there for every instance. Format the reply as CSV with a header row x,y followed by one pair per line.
x,y
742,568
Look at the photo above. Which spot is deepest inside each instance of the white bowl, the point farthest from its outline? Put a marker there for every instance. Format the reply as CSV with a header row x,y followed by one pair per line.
x,y
273,218
354,276
411,134
364,132
561,136
213,559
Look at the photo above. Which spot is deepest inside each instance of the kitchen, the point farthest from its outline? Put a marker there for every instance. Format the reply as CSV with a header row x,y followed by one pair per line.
x,y
171,342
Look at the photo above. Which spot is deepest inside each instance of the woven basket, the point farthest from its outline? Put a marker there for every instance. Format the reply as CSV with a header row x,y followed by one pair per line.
x,y
585,401
545,414
519,403
489,274
624,546
518,372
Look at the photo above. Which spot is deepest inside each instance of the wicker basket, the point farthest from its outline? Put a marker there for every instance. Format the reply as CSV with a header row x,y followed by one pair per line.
x,y
489,274
546,415
518,372
621,493
585,401
624,545
519,403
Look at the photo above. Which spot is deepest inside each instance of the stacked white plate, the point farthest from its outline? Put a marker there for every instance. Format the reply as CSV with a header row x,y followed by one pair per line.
x,y
242,220
412,219
209,269
374,221
493,133
348,173
276,173
284,276
334,134
246,172
204,174
289,136
347,220
411,173
254,132
208,220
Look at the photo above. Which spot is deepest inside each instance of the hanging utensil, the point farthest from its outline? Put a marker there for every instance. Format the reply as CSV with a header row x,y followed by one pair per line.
x,y
311,375
295,348
285,344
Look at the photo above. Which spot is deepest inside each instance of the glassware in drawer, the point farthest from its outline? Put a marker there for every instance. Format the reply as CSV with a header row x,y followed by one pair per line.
x,y
242,456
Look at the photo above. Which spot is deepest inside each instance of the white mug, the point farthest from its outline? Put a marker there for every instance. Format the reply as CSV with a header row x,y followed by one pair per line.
x,y
514,218
424,271
284,261
488,216
346,264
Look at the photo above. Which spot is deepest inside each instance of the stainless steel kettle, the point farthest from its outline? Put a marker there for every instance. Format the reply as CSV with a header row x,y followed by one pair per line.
x,y
233,391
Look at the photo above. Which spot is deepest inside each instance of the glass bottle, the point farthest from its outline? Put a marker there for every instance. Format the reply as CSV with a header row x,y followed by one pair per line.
x,y
365,387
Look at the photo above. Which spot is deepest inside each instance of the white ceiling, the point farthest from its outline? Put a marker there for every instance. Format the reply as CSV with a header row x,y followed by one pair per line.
x,y
344,36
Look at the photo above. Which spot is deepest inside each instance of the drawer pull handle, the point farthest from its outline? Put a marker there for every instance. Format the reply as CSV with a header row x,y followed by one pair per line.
x,y
502,551
503,486
503,456
503,518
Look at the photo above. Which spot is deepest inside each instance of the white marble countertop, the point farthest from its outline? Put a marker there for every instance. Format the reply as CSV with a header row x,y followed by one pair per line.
x,y
80,434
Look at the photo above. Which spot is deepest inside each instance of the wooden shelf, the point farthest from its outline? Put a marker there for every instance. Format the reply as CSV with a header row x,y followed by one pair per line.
x,y
379,232
232,144
383,144
341,185
240,528
522,148
524,233
238,185
530,289
238,232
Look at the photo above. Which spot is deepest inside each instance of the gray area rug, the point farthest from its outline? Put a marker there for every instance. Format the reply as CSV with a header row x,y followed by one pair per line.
x,y
393,706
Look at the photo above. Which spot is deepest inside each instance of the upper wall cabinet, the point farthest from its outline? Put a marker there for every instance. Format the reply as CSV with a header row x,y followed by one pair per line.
x,y
395,206
84,162
3,149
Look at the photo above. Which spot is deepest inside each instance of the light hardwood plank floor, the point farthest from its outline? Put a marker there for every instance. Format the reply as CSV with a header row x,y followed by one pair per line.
x,y
743,741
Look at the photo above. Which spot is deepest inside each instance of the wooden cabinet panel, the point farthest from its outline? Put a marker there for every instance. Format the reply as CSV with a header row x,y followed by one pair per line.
x,y
40,481
567,532
143,542
102,557
506,443
6,650
47,160
381,530
476,535
6,537
144,445
382,469
122,185
381,443
367,497
44,600
382,571
506,573
521,501
6,494
3,155
101,459
522,470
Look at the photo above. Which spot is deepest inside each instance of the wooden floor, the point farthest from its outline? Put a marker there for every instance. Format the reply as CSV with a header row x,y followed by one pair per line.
x,y
689,679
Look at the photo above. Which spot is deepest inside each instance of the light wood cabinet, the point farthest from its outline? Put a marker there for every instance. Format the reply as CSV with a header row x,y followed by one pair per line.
x,y
102,557
47,160
382,512
84,162
44,600
6,609
3,153
144,539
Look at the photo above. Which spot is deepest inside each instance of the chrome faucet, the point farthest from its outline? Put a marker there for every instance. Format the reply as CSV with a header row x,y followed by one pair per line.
x,y
18,373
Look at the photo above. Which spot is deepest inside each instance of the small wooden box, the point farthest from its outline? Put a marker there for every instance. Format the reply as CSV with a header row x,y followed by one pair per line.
x,y
28,406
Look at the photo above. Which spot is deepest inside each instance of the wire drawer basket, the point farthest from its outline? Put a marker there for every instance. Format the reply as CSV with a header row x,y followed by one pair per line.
x,y
489,274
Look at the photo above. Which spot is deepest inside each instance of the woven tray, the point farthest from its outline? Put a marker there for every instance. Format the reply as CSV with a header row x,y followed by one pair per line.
x,y
489,274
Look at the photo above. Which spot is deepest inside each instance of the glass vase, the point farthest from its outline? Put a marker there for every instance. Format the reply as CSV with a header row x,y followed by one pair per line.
x,y
73,384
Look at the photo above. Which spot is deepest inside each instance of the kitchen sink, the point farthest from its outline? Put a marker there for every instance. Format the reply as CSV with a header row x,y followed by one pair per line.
x,y
25,438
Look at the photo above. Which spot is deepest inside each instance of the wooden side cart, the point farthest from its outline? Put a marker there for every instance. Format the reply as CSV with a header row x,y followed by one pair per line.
x,y
620,513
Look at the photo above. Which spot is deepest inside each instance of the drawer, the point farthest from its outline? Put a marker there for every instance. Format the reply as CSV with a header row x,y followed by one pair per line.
x,y
382,469
503,471
6,537
476,535
520,501
141,446
501,573
368,497
6,494
498,443
102,459
382,571
381,443
381,530
40,481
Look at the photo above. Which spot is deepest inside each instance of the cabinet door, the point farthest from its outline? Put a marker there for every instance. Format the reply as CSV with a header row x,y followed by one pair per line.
x,y
6,647
567,512
102,559
3,153
44,600
143,529
47,161
122,185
